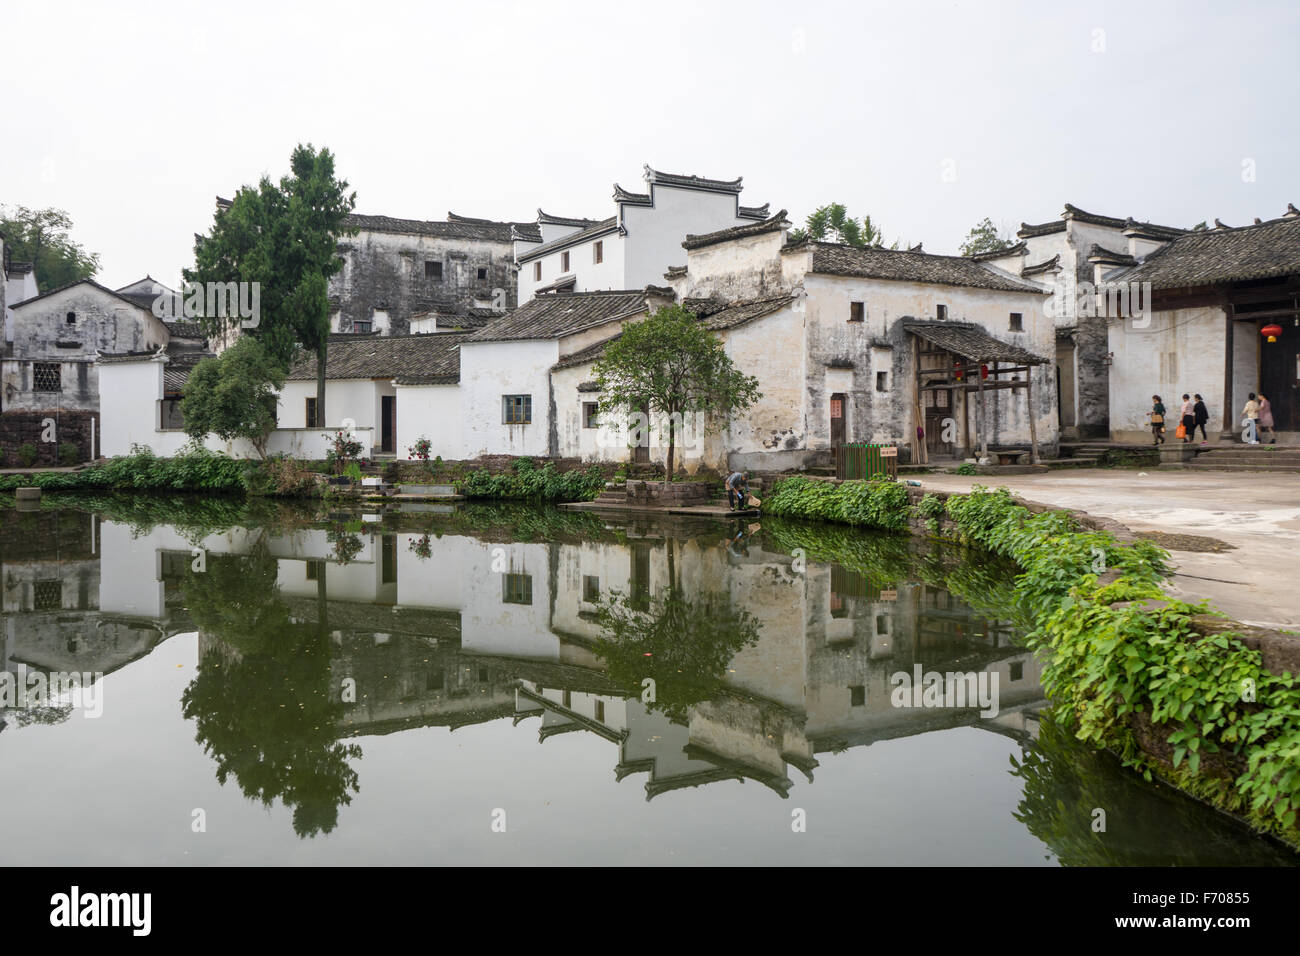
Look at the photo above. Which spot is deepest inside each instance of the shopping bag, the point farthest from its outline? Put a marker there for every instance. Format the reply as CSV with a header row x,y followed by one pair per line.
x,y
1180,431
752,502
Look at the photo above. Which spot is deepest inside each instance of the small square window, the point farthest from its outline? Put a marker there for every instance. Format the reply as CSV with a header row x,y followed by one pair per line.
x,y
941,312
314,569
435,680
71,318
517,588
882,381
433,270
591,588
310,419
47,377
564,262
517,409
482,675
858,696
482,274
361,326
1017,322
1017,670
598,252
47,595
589,413
537,272
856,311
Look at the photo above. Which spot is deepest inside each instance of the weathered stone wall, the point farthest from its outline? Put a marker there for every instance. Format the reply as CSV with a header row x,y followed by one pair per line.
x,y
386,272
22,427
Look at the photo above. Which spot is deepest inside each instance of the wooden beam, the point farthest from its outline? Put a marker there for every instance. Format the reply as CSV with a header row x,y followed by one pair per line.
x,y
1033,428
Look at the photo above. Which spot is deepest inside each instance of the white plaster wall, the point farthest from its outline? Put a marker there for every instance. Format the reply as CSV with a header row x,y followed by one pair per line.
x,y
1196,335
489,625
429,411
589,276
655,233
357,399
489,370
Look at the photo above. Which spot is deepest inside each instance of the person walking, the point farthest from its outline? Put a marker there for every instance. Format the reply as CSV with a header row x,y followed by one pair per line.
x,y
1157,418
1266,420
1186,420
1200,415
1250,423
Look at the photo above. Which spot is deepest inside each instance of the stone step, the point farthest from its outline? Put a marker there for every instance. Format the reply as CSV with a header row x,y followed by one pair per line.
x,y
1234,466
1278,459
1077,462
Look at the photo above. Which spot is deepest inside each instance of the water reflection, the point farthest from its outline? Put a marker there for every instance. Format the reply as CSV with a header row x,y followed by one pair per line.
x,y
699,652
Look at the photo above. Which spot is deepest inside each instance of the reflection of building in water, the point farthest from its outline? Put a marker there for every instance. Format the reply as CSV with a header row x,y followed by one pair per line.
x,y
453,630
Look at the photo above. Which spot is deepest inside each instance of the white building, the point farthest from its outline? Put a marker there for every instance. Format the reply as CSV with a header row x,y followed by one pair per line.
x,y
632,248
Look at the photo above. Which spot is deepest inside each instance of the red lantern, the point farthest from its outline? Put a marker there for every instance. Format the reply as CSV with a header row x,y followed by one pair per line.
x,y
984,371
958,373
1271,332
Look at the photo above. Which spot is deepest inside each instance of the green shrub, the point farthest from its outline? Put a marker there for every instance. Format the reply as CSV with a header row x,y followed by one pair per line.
x,y
27,454
69,453
877,504
966,468
526,481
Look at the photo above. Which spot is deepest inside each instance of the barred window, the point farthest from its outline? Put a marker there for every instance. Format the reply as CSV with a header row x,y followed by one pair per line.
x,y
47,595
47,377
517,588
517,409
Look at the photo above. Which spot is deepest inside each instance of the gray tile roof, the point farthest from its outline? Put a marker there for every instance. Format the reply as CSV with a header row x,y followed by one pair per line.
x,y
627,196
716,315
457,227
772,224
594,231
561,313
186,329
694,182
971,342
1154,230
410,359
563,220
753,212
876,263
1047,265
1224,255
1110,256
1018,248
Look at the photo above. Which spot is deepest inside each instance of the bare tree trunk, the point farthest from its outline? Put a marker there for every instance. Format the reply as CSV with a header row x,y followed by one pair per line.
x,y
672,444
320,384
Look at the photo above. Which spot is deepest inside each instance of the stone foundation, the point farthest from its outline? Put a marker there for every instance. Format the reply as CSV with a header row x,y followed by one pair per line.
x,y
20,428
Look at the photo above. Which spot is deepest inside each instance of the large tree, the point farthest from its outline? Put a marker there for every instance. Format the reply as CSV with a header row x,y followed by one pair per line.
x,y
670,365
986,237
234,395
833,222
40,236
283,236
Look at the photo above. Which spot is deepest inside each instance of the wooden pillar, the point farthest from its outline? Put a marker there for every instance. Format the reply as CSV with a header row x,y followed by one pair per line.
x,y
981,426
1229,411
1033,427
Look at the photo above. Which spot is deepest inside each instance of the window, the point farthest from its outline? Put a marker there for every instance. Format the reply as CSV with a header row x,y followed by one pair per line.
x,y
537,271
564,262
567,700
1017,322
435,680
433,270
1017,670
882,381
47,595
71,318
314,569
856,311
388,559
361,326
482,274
482,675
941,312
598,252
600,711
882,624
46,377
311,421
517,589
591,588
169,416
858,696
517,409
589,415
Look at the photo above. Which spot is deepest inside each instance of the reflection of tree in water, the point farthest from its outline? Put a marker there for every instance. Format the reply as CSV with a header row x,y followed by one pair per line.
x,y
261,701
1065,780
684,645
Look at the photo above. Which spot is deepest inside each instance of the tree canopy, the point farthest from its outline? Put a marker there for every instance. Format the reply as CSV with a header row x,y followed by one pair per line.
x,y
40,236
284,236
986,237
670,365
832,222
234,395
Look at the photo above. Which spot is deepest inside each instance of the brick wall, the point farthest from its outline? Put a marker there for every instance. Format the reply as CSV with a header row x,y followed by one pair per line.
x,y
19,428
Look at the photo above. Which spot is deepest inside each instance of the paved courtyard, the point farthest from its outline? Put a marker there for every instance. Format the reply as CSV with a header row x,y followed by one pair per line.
x,y
1257,582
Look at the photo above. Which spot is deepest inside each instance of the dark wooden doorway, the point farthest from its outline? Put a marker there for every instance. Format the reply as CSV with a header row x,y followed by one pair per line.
x,y
839,420
641,451
388,423
1278,379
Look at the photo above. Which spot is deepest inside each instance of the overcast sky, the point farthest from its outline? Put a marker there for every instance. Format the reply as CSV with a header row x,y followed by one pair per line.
x,y
928,116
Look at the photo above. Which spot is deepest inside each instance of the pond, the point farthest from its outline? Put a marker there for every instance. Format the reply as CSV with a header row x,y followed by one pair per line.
x,y
198,682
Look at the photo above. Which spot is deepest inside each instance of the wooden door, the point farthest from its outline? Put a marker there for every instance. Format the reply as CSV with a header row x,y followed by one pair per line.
x,y
1278,378
641,451
839,419
940,419
388,423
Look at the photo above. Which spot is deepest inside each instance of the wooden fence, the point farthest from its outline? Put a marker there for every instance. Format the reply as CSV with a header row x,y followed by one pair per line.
x,y
866,461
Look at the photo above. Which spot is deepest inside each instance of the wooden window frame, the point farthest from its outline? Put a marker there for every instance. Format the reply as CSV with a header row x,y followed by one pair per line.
x,y
598,252
857,312
509,403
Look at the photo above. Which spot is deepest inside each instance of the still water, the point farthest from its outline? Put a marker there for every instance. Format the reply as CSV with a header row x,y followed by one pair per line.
x,y
525,685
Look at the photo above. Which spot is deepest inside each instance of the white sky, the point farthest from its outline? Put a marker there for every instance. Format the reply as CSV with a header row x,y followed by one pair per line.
x,y
133,116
